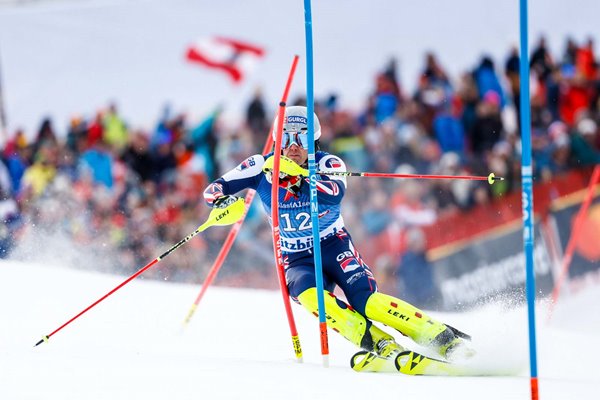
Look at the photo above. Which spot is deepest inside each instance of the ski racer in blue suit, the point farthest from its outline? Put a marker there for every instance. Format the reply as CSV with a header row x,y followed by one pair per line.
x,y
341,261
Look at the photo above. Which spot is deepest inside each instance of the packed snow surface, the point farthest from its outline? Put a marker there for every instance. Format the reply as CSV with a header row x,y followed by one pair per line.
x,y
133,345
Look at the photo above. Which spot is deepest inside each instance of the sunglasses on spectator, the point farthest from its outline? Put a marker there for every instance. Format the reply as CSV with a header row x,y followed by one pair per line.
x,y
289,138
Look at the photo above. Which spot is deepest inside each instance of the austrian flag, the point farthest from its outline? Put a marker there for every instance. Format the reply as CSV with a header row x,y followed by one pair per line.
x,y
234,57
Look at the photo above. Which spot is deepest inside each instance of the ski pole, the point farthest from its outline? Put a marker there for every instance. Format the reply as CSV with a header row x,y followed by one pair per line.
x,y
217,217
237,226
298,170
491,178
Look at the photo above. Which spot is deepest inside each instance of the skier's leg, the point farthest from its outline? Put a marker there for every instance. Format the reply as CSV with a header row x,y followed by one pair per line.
x,y
354,277
339,316
350,324
411,322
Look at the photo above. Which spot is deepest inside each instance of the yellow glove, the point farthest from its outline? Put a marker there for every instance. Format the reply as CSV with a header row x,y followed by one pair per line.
x,y
287,167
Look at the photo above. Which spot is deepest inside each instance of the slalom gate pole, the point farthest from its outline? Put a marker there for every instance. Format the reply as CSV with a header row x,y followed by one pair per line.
x,y
231,236
312,168
275,220
235,229
491,178
527,196
568,255
226,216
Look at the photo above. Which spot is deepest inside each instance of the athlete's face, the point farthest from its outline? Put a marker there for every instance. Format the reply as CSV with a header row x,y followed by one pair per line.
x,y
296,153
295,146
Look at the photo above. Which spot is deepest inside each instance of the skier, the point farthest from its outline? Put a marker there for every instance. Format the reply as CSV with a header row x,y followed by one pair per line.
x,y
342,264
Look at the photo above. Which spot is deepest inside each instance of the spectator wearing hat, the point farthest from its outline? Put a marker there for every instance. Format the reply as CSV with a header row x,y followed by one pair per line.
x,y
487,80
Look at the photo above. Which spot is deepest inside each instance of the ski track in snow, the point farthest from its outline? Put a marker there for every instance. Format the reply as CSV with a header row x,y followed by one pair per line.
x,y
237,345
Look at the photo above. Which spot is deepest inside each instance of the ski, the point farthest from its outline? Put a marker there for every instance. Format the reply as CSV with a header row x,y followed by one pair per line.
x,y
365,361
411,363
406,362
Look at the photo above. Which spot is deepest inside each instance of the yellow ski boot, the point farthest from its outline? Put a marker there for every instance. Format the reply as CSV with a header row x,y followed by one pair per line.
x,y
414,323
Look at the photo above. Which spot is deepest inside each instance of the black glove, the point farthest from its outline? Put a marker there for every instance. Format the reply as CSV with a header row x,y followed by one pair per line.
x,y
224,201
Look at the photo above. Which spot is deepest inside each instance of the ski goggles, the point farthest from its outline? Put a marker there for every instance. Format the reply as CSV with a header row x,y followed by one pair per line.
x,y
289,138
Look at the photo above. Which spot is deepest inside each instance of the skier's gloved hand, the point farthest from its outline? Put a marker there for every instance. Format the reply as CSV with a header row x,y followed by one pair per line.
x,y
286,166
224,201
290,183
269,176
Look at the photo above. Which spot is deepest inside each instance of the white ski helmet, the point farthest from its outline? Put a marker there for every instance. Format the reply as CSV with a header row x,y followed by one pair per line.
x,y
295,119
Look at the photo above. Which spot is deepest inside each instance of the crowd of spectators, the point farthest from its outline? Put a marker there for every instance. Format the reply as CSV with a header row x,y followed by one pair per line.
x,y
124,195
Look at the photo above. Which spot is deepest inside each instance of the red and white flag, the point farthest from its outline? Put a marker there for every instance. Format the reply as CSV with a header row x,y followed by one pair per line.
x,y
234,57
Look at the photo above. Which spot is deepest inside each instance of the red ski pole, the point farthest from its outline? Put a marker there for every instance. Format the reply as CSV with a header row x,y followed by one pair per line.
x,y
491,178
217,216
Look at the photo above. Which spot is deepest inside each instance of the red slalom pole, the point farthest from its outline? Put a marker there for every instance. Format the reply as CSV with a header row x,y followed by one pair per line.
x,y
214,270
491,178
231,236
275,220
568,255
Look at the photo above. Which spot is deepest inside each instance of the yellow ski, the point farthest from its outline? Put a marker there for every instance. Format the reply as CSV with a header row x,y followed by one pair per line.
x,y
406,362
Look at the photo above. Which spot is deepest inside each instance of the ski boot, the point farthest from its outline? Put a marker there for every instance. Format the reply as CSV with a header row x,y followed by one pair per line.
x,y
414,323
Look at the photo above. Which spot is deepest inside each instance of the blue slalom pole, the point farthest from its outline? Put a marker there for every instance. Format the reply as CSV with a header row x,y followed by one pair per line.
x,y
312,170
527,196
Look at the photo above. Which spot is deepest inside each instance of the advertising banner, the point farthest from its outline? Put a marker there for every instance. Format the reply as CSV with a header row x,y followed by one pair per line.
x,y
489,268
586,256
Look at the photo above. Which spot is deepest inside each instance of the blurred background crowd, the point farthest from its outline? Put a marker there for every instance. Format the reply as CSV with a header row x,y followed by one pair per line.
x,y
124,195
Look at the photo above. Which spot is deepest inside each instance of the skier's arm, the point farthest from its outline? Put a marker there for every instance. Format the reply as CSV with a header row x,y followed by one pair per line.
x,y
247,175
